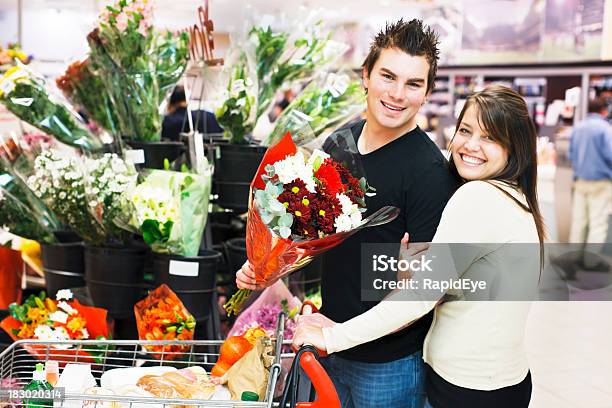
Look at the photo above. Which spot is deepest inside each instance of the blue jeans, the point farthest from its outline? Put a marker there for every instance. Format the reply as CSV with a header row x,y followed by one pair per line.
x,y
397,384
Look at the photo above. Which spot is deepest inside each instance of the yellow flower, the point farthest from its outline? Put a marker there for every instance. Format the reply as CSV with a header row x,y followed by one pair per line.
x,y
306,202
37,314
26,332
76,323
50,305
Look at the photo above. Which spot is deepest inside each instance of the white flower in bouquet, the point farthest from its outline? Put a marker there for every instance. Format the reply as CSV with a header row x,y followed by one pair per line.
x,y
66,308
351,214
59,182
108,177
63,294
337,84
294,167
84,334
154,204
59,317
44,332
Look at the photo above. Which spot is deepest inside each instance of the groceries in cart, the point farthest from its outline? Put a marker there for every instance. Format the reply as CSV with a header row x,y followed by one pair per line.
x,y
251,372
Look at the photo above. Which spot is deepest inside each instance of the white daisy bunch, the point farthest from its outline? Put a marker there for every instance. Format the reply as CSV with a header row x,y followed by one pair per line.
x,y
351,214
106,179
295,167
59,182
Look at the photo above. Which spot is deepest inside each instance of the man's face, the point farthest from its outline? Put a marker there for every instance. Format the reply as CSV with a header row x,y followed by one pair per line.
x,y
397,87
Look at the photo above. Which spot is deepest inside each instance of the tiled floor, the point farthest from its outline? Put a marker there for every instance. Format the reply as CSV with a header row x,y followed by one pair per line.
x,y
569,345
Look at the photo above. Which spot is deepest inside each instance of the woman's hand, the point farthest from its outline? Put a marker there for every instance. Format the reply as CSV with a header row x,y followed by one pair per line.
x,y
245,278
310,331
409,251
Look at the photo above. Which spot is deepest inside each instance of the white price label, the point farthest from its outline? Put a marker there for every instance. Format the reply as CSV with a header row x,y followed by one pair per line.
x,y
181,268
135,156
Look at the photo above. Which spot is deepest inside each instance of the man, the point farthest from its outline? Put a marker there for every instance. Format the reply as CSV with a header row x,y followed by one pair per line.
x,y
408,172
591,155
175,122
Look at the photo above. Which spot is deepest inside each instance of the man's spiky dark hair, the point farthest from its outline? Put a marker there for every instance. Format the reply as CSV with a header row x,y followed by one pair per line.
x,y
414,38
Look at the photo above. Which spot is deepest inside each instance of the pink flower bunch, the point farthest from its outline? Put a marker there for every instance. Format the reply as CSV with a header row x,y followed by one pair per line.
x,y
140,12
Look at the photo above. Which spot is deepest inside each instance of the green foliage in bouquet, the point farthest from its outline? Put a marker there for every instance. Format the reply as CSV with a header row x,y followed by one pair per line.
x,y
87,90
321,106
134,93
270,46
18,219
27,97
172,54
236,115
289,62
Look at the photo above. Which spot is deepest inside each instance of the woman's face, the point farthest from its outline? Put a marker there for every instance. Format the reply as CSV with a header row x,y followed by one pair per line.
x,y
475,154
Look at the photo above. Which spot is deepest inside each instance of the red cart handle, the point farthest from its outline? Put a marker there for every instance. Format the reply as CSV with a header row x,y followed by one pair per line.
x,y
327,397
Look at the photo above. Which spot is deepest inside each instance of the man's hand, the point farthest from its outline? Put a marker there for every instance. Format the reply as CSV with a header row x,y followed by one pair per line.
x,y
245,278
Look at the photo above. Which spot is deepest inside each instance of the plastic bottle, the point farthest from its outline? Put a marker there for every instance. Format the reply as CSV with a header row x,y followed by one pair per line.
x,y
249,396
52,372
38,383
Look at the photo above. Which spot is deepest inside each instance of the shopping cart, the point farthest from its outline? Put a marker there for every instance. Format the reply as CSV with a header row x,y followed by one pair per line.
x,y
18,362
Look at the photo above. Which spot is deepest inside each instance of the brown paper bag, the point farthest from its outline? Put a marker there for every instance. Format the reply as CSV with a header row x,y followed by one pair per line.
x,y
252,371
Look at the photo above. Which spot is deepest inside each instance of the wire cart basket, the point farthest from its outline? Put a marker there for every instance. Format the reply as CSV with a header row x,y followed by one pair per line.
x,y
19,360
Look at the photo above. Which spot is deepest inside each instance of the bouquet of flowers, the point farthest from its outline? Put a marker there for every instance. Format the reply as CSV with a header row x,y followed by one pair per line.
x,y
57,179
302,206
106,179
84,88
169,209
263,313
321,105
126,31
19,219
237,114
138,66
26,96
21,212
43,318
282,58
162,316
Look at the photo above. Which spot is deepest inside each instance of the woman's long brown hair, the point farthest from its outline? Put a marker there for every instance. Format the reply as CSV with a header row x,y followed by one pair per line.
x,y
503,113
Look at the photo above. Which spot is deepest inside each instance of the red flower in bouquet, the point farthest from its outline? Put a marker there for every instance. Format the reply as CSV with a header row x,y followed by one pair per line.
x,y
329,177
326,209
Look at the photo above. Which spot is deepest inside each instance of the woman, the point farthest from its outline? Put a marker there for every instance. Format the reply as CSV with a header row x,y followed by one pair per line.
x,y
473,350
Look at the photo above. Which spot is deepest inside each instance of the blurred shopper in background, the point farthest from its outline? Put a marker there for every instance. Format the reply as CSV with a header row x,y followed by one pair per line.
x,y
175,122
591,156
